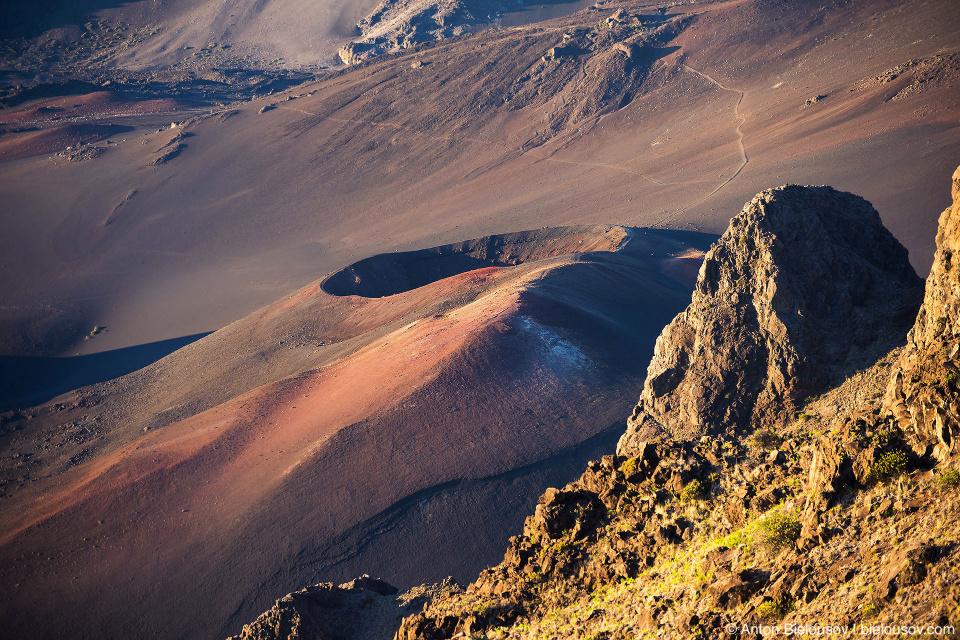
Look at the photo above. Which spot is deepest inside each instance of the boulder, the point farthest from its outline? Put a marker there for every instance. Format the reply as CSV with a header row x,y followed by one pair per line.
x,y
805,285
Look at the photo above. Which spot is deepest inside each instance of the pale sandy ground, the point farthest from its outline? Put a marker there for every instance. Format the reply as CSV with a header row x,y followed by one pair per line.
x,y
297,32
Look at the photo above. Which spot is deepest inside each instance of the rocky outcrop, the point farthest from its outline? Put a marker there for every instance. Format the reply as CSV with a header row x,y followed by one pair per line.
x,y
923,393
805,284
356,52
361,609
400,24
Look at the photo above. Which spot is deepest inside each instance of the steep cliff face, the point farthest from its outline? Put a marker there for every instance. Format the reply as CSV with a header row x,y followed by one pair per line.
x,y
805,284
923,393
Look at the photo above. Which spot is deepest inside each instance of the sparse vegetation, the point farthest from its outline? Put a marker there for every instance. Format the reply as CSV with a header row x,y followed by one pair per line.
x,y
778,529
890,465
949,480
561,548
694,491
774,610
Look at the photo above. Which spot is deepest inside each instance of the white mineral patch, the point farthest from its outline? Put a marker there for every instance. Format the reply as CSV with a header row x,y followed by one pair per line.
x,y
563,351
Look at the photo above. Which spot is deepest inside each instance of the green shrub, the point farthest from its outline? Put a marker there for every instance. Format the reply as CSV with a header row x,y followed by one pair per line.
x,y
774,610
629,466
482,607
948,480
779,530
890,465
694,491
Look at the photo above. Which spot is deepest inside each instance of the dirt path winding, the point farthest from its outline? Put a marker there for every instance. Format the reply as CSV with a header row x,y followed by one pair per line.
x,y
740,118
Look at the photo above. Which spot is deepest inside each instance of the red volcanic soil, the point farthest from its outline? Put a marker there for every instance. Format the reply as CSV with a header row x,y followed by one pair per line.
x,y
51,125
405,427
43,141
91,105
323,436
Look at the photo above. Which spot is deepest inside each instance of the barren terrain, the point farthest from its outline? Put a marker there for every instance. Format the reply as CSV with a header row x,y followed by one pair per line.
x,y
485,137
365,433
167,201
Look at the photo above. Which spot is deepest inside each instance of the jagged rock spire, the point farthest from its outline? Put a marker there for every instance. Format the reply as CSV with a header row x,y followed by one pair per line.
x,y
923,393
805,283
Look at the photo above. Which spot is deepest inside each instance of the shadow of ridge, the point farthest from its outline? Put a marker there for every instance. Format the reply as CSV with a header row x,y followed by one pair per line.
x,y
696,239
387,274
27,381
30,18
557,469
433,533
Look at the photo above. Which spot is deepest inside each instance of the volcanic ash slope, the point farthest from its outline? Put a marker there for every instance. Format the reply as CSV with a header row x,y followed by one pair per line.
x,y
404,434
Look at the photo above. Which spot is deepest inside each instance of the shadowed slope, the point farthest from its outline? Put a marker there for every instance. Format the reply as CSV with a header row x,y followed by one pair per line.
x,y
28,381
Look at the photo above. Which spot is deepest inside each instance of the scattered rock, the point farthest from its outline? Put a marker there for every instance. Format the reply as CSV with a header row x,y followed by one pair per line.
x,y
560,51
629,49
354,52
82,152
